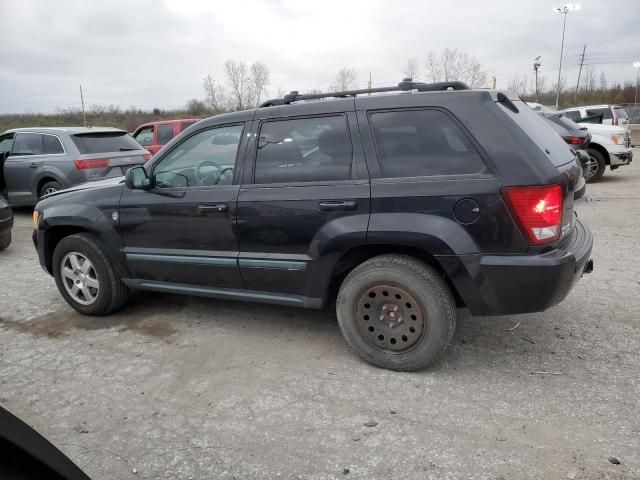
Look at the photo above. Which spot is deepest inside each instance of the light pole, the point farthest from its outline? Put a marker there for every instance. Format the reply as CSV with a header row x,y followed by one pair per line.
x,y
569,7
637,67
536,65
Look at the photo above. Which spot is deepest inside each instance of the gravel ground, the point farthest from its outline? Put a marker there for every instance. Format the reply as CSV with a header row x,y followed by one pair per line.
x,y
196,388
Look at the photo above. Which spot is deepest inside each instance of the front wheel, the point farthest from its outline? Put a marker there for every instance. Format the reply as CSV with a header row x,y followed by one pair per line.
x,y
85,277
396,312
597,166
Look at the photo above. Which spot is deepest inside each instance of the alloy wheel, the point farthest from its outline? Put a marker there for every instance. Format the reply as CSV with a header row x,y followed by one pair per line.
x,y
80,278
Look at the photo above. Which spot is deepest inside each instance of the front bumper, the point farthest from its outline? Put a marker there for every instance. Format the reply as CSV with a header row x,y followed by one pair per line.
x,y
6,222
38,243
621,158
512,284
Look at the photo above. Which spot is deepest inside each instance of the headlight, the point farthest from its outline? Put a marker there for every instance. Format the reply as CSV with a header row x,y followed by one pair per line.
x,y
36,217
616,138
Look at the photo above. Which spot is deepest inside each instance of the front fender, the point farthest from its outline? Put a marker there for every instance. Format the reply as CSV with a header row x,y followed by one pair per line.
x,y
58,220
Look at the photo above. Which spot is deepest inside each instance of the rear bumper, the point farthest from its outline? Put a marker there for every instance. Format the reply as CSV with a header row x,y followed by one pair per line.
x,y
512,284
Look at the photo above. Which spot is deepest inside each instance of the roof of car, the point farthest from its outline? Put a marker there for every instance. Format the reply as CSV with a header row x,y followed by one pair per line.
x,y
590,106
69,130
163,122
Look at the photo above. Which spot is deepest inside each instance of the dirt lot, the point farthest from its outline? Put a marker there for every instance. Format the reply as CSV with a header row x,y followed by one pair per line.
x,y
194,388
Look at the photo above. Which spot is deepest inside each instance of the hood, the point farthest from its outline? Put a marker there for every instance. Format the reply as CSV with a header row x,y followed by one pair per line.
x,y
604,129
109,182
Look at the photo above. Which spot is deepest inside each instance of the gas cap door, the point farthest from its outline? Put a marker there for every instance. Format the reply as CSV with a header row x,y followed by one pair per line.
x,y
466,211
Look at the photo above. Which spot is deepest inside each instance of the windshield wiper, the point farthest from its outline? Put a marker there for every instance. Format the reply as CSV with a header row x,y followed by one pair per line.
x,y
123,149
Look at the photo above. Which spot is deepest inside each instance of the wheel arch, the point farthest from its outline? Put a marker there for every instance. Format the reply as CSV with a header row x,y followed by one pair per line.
x,y
359,254
599,148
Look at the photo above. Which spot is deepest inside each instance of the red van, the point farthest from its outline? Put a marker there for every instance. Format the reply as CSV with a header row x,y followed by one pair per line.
x,y
154,135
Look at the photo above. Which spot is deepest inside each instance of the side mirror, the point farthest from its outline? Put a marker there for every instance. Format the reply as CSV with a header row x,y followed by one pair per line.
x,y
136,178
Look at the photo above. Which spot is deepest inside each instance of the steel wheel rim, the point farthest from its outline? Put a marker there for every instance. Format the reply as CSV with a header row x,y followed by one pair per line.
x,y
49,190
79,278
390,318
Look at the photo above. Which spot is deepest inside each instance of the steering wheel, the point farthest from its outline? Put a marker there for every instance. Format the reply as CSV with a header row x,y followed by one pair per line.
x,y
202,177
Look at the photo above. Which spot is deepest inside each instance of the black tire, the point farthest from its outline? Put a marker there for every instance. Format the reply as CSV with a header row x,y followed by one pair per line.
x,y
435,311
112,293
5,240
597,158
49,187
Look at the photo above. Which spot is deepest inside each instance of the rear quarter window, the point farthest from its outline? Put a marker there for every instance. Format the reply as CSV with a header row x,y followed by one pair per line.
x,y
540,132
417,143
103,142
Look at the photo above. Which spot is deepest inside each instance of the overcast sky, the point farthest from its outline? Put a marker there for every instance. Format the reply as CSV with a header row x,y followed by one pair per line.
x,y
155,53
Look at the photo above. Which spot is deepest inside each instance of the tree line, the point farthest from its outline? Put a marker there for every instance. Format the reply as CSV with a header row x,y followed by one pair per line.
x,y
244,85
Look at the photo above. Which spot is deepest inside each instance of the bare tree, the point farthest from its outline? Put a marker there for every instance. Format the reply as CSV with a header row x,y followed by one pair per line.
x,y
239,82
214,94
603,82
521,85
452,64
260,77
412,68
589,84
345,80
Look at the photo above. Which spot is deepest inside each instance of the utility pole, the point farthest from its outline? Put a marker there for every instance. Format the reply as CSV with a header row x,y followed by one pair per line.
x,y
84,116
494,82
369,83
637,67
536,65
580,71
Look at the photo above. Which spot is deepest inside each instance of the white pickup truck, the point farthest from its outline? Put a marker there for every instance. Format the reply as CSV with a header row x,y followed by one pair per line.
x,y
610,145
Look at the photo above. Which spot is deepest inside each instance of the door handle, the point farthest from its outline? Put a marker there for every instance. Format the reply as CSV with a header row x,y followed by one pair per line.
x,y
34,165
215,207
333,206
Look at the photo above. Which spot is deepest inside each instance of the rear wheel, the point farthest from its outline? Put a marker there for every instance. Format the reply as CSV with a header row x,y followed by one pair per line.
x,y
49,187
396,312
597,165
85,277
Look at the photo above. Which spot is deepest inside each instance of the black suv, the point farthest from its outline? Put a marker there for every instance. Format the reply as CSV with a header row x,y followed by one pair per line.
x,y
400,206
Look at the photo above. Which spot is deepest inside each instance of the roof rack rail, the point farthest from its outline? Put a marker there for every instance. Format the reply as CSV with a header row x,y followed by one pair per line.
x,y
405,85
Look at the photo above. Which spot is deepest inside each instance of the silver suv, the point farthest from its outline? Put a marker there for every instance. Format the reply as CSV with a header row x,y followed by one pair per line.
x,y
37,161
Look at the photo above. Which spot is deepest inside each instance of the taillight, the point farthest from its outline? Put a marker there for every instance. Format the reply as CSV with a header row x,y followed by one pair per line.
x,y
572,140
91,163
538,211
147,157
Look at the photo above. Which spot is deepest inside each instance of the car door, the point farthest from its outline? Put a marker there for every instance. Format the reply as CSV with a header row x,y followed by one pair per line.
x,y
304,199
6,143
20,167
180,231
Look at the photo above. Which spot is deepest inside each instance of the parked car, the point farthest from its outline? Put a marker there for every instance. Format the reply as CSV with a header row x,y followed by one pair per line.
x,y
398,206
155,135
38,161
610,145
6,222
611,114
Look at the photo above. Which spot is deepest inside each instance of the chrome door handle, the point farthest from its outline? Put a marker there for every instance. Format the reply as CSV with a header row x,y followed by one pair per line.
x,y
216,207
333,206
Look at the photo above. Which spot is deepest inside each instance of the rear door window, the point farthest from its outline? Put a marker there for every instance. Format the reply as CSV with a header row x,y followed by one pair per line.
x,y
573,115
418,143
52,145
304,150
28,144
165,134
103,142
605,112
